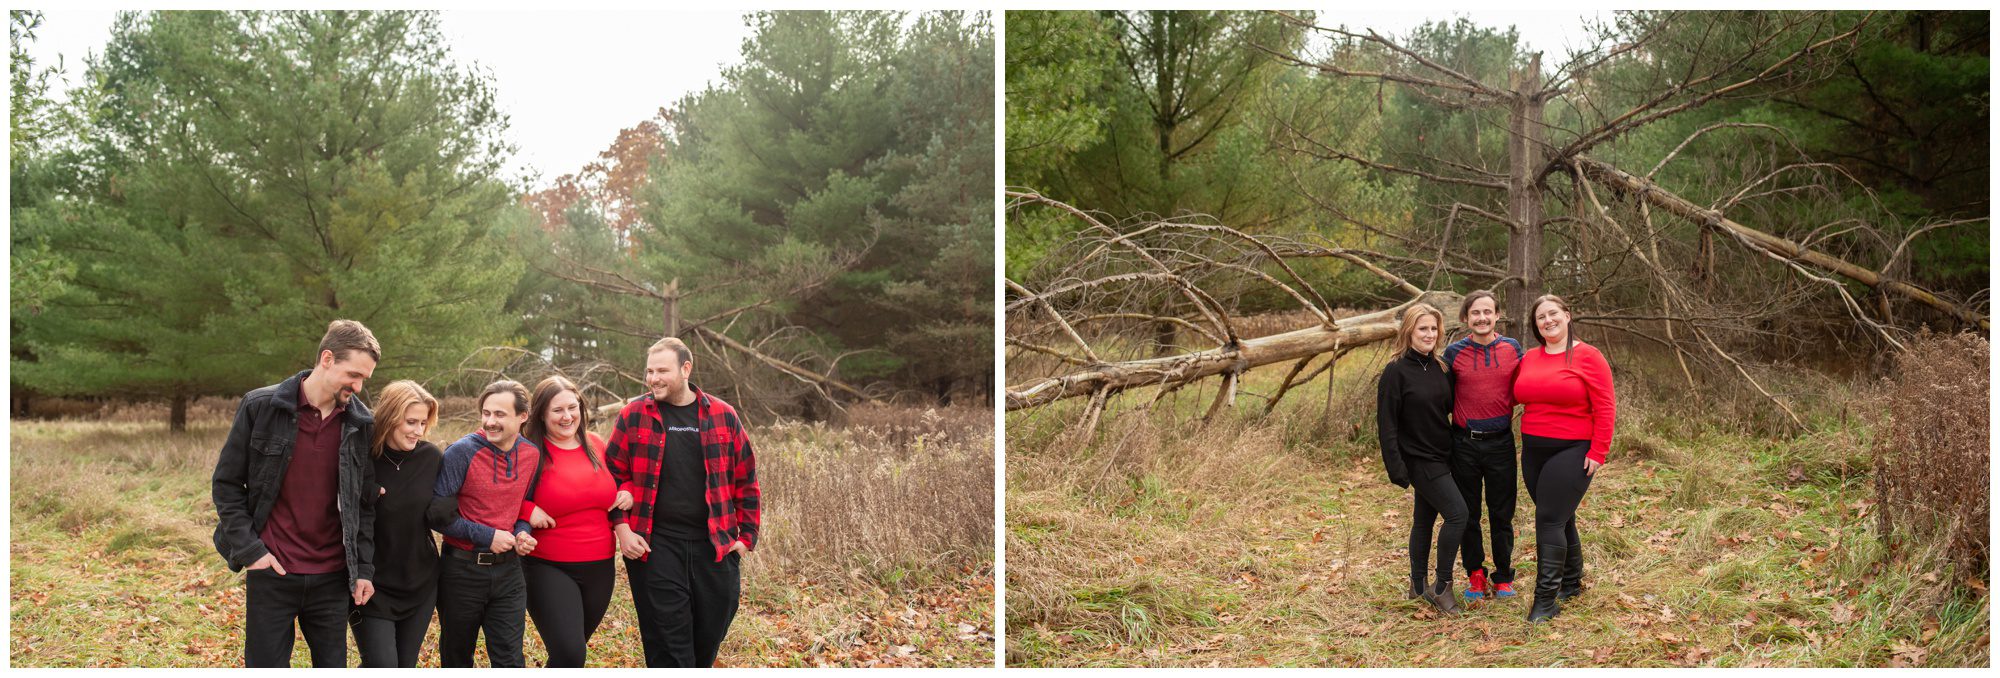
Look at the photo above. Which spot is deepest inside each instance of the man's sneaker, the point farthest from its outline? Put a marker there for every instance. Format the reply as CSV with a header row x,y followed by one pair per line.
x,y
1503,589
1475,584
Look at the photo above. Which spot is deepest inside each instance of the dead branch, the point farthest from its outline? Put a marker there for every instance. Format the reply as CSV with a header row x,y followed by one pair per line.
x,y
1759,241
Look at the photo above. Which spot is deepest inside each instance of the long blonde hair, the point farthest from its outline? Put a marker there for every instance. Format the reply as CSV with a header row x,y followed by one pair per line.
x,y
1406,336
396,399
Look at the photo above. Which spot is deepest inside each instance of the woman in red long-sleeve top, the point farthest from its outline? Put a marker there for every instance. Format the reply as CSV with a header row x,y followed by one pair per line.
x,y
568,566
1568,411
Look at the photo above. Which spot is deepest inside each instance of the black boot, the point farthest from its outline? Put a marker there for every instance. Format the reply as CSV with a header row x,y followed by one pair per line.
x,y
1445,599
1548,582
1572,582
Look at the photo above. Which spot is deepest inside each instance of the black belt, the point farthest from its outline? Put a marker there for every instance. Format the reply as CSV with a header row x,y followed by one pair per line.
x,y
1488,435
480,557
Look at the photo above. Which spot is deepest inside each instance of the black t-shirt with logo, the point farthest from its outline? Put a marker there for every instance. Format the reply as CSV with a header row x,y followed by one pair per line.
x,y
681,509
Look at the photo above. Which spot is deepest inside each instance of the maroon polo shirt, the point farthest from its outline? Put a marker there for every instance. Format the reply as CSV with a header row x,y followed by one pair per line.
x,y
304,528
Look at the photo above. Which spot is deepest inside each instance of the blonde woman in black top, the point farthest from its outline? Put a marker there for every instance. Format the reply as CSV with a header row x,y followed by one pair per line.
x,y
391,628
1413,419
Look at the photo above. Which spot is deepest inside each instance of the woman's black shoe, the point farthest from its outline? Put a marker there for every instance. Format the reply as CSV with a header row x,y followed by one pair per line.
x,y
1548,582
1572,577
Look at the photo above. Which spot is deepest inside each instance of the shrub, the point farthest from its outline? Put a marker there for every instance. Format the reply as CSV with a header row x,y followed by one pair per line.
x,y
1931,455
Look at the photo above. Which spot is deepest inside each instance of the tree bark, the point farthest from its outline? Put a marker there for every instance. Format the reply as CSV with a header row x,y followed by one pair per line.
x,y
177,414
1249,354
1525,148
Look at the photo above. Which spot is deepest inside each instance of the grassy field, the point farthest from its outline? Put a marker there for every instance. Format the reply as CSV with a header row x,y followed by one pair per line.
x,y
1277,541
877,547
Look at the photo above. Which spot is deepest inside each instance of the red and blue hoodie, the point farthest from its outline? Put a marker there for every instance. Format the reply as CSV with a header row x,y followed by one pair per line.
x,y
490,484
1483,382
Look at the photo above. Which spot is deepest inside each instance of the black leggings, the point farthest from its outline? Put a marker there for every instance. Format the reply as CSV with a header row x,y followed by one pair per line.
x,y
1436,495
1553,470
391,643
567,600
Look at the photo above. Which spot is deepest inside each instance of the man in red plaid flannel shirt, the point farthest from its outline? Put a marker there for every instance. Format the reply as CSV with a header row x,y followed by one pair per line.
x,y
684,464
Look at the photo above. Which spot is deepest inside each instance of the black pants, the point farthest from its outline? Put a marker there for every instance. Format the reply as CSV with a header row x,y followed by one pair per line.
x,y
473,597
1436,496
392,643
1486,467
317,602
1553,470
685,601
567,600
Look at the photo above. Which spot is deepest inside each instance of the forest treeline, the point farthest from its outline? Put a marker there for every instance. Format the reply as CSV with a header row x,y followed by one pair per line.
x,y
185,222
1744,186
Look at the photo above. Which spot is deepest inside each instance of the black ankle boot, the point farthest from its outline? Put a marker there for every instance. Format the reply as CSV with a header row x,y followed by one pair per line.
x,y
1548,582
1572,582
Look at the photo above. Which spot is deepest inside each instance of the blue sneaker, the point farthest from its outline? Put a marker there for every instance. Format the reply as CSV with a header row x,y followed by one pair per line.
x,y
1503,589
1475,584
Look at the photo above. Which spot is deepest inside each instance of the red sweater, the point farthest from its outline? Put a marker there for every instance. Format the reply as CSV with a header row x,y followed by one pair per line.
x,y
1568,397
578,498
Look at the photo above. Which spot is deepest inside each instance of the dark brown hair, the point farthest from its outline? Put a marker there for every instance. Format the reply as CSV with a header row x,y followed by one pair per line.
x,y
345,336
537,431
507,386
1465,307
1569,333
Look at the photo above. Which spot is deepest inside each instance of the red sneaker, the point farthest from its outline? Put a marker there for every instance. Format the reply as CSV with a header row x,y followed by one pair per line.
x,y
1475,584
1503,590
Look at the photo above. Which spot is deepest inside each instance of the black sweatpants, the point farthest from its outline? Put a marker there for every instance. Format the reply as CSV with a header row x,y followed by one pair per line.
x,y
685,601
473,597
567,600
1436,496
1486,467
1553,470
316,602
392,643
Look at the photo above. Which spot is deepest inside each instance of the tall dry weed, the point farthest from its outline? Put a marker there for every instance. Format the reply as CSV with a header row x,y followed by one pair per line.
x,y
903,492
1932,452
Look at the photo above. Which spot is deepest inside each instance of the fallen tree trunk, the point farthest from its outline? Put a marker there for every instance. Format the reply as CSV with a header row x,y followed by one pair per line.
x,y
1624,182
1245,355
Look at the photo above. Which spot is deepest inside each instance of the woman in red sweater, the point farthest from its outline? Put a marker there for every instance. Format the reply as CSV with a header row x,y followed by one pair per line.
x,y
1569,409
568,564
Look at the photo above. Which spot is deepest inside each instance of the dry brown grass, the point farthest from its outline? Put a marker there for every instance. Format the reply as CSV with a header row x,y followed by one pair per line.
x,y
1274,540
877,547
1934,451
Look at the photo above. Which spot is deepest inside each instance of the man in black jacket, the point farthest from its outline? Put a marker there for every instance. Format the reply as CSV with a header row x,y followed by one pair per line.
x,y
290,505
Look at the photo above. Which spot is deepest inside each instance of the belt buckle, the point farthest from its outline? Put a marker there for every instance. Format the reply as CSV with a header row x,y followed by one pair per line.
x,y
481,558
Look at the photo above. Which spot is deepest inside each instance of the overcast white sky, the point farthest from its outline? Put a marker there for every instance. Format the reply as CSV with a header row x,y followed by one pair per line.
x,y
568,80
1555,32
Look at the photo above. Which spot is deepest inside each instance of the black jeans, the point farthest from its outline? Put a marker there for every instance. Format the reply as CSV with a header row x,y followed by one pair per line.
x,y
473,597
567,600
317,602
1486,467
392,643
685,601
1436,496
1554,472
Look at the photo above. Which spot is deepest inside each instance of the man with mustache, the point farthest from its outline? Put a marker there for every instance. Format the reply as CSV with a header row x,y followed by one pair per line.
x,y
480,585
289,504
681,456
1483,366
